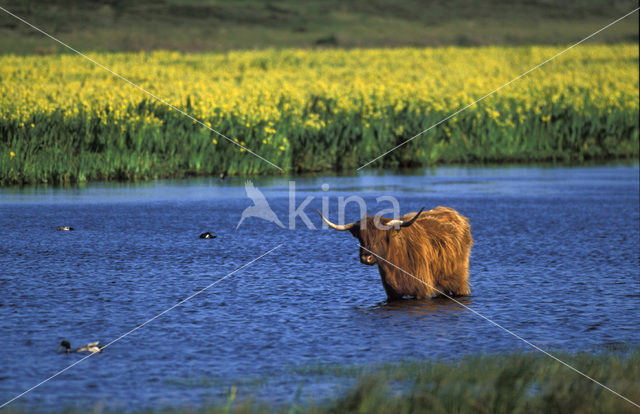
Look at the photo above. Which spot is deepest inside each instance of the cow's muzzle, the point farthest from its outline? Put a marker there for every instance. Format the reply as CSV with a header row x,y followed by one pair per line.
x,y
367,259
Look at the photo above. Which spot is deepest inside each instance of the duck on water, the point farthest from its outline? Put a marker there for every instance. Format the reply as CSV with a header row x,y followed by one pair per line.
x,y
91,347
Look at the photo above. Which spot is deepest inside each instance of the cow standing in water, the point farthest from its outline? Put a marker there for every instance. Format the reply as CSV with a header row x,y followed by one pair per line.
x,y
432,247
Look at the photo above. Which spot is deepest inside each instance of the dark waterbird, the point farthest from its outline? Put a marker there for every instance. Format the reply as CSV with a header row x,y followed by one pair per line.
x,y
91,347
207,235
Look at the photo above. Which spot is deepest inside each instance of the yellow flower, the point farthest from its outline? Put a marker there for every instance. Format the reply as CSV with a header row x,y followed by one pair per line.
x,y
546,118
33,125
12,154
215,141
281,147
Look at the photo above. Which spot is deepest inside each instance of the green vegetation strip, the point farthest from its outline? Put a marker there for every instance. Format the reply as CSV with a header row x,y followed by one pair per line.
x,y
198,25
504,383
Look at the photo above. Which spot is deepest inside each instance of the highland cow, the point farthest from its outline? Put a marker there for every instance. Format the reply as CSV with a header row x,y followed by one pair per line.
x,y
432,248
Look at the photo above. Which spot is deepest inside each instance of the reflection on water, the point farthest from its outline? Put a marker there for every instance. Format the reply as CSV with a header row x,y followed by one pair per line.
x,y
438,305
555,260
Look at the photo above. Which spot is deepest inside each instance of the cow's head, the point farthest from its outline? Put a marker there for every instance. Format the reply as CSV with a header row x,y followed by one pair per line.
x,y
373,234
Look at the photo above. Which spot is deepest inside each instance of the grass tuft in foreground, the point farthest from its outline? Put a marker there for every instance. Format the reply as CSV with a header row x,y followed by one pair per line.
x,y
517,383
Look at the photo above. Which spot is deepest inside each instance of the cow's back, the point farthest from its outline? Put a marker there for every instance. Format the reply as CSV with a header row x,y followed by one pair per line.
x,y
435,249
442,215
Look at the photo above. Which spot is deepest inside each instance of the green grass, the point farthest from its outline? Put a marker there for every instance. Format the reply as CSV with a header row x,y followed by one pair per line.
x,y
522,382
516,383
53,152
197,25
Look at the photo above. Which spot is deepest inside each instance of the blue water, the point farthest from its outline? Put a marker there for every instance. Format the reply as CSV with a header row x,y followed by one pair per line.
x,y
556,260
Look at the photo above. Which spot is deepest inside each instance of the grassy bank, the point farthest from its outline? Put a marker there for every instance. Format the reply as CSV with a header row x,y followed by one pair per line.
x,y
201,25
62,119
508,383
517,383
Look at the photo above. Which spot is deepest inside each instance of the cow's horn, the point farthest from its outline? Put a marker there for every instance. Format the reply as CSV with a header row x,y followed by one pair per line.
x,y
394,223
336,226
410,222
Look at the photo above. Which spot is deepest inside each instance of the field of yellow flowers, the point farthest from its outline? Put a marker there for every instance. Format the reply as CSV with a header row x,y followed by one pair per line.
x,y
64,119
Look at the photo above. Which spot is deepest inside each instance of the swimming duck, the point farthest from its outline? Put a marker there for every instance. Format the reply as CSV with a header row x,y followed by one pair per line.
x,y
92,347
207,235
64,228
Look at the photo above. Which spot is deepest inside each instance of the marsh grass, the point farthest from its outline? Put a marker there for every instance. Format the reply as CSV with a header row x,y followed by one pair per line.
x,y
515,383
62,150
520,382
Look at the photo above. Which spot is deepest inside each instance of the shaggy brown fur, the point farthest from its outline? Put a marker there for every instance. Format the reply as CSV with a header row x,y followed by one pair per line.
x,y
434,249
